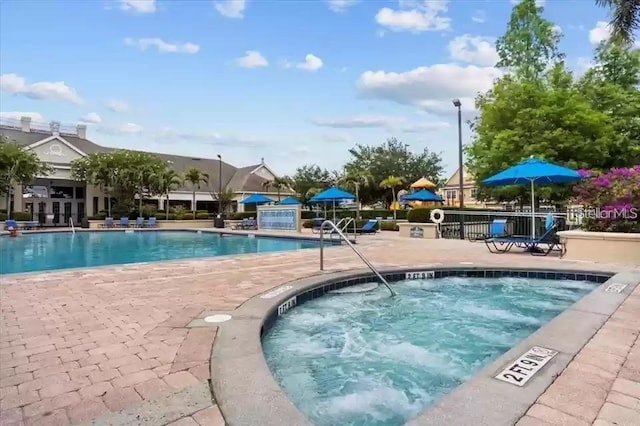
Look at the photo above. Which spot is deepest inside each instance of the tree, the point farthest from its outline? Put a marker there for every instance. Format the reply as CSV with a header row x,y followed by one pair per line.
x,y
392,158
225,198
309,177
195,177
625,18
392,182
164,182
357,179
121,173
530,44
18,167
277,183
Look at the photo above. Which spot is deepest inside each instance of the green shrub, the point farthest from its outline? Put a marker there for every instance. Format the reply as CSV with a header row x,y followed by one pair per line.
x,y
307,224
201,215
306,214
179,211
389,226
99,216
419,215
3,216
22,216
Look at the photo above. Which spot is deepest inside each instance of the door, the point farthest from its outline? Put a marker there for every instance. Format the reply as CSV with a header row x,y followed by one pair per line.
x,y
42,212
67,212
80,209
56,212
28,208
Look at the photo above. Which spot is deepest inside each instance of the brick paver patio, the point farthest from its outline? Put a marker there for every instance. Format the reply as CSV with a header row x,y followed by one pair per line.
x,y
78,345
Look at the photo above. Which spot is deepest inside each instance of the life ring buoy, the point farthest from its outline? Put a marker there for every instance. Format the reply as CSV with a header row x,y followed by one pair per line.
x,y
437,216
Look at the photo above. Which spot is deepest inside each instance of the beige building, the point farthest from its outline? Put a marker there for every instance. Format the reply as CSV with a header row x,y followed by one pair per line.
x,y
450,192
57,197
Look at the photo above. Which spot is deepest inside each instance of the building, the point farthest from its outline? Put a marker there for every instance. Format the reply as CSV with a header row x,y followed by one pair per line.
x,y
451,190
59,197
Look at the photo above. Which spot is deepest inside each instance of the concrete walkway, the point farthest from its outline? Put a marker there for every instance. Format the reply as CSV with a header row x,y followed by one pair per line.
x,y
111,345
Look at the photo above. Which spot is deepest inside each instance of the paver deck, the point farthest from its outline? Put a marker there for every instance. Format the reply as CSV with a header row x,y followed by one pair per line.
x,y
79,345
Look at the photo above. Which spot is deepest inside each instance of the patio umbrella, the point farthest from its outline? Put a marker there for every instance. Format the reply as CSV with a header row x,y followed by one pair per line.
x,y
422,195
532,171
257,199
332,195
289,201
423,183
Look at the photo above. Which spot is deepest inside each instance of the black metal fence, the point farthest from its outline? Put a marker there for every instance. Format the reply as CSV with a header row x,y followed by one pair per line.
x,y
477,224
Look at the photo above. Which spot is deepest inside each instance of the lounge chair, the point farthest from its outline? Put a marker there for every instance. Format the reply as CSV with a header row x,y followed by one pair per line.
x,y
151,223
108,223
497,229
124,222
139,222
532,245
371,227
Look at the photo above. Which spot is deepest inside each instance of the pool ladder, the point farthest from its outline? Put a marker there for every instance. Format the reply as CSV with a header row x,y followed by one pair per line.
x,y
337,230
73,228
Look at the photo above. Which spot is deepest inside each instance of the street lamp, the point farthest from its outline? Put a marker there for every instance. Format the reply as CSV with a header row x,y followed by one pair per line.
x,y
220,185
458,104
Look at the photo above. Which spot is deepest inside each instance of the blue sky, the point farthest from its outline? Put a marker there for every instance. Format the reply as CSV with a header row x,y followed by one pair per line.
x,y
294,82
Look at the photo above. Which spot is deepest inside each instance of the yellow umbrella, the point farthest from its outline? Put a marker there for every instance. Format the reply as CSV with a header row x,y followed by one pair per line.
x,y
423,183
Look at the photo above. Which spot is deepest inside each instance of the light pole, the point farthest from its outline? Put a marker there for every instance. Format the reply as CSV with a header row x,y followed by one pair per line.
x,y
220,186
458,104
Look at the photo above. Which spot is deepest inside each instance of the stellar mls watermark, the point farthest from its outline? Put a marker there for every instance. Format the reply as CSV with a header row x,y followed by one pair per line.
x,y
597,213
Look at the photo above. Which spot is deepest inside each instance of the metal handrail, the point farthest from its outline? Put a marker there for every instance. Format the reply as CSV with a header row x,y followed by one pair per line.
x,y
73,228
360,255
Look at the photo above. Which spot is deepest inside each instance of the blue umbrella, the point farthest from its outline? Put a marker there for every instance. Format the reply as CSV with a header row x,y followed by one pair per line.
x,y
332,195
422,195
257,199
532,171
289,201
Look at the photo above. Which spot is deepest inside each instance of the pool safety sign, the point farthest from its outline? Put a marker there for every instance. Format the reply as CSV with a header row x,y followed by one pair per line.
x,y
615,288
287,305
526,366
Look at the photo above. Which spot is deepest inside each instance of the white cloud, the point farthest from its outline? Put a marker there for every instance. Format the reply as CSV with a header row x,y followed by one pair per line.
x,y
91,117
431,88
311,63
583,64
474,49
121,129
601,32
336,138
162,46
479,16
44,90
17,115
138,6
389,122
252,59
415,16
168,134
557,29
341,5
364,121
232,8
117,106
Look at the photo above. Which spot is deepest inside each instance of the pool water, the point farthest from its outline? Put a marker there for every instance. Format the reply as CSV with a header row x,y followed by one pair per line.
x,y
369,359
56,250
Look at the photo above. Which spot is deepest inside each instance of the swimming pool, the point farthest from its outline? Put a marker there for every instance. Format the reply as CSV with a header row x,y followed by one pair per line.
x,y
367,358
59,250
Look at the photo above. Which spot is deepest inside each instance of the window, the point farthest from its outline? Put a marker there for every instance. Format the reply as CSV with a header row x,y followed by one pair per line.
x,y
474,193
61,192
95,205
79,193
451,194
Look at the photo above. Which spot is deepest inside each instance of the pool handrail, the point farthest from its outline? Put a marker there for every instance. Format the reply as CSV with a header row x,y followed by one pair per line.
x,y
360,255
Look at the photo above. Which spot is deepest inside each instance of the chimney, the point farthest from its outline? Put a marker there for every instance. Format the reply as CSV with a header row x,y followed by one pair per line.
x,y
25,124
81,130
262,161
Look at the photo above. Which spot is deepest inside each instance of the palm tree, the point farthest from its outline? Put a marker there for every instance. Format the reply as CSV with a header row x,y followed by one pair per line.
x,y
625,18
357,179
165,182
195,177
280,183
392,182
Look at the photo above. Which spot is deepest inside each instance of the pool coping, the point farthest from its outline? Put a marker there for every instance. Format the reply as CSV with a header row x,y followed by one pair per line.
x,y
328,243
248,394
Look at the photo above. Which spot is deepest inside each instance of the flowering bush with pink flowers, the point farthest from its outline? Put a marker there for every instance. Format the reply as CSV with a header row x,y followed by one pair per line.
x,y
611,199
